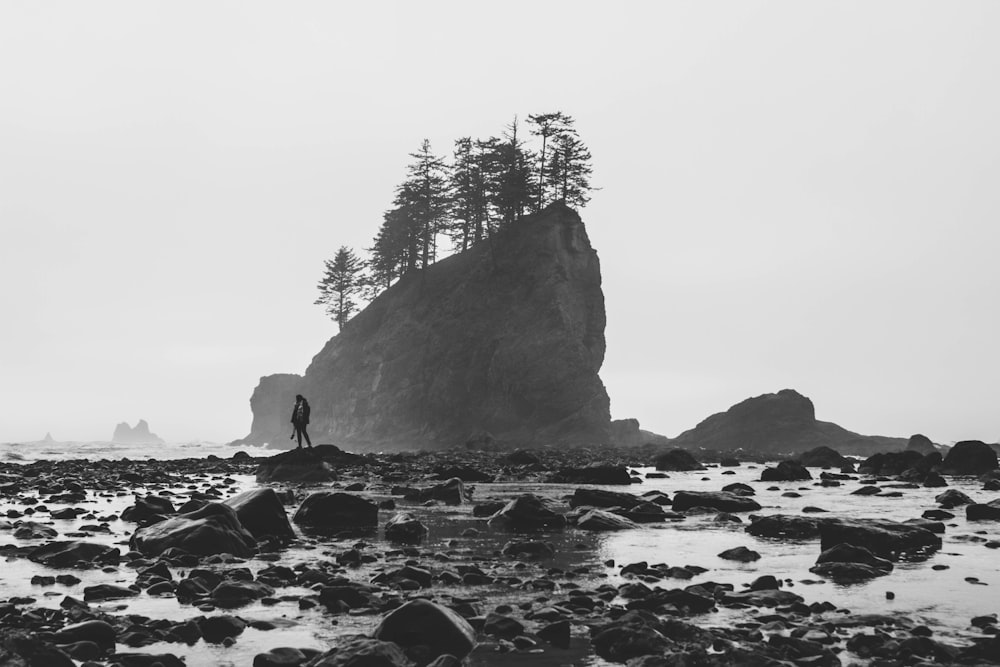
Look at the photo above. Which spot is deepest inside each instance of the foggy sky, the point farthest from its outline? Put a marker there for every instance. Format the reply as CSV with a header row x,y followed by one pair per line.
x,y
793,194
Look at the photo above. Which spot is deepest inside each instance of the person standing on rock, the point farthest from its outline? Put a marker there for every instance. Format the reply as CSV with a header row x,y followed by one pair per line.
x,y
300,419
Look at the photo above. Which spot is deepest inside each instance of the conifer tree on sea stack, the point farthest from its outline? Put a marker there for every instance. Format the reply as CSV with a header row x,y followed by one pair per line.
x,y
469,195
513,195
570,170
341,283
548,126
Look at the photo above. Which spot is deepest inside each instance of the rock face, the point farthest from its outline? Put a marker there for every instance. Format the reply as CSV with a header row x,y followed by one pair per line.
x,y
969,457
137,435
506,339
921,443
781,423
213,529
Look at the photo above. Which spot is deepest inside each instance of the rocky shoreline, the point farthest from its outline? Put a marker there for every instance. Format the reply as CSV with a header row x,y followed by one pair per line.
x,y
482,557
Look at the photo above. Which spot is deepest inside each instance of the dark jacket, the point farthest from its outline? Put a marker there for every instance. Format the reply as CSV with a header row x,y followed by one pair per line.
x,y
300,413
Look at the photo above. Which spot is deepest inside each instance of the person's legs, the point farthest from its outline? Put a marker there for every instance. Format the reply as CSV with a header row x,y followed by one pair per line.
x,y
298,433
308,441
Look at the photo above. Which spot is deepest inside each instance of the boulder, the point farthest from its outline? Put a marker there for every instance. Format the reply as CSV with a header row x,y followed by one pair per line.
x,y
921,443
823,457
213,529
101,633
303,466
603,498
986,512
405,528
527,512
421,622
329,510
451,492
677,459
600,520
217,629
784,526
261,512
232,594
952,498
593,474
359,651
73,554
32,530
890,463
848,553
529,549
969,457
739,489
785,471
884,538
150,507
722,501
741,554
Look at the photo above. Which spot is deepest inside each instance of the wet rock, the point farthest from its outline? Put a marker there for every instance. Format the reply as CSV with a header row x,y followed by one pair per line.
x,y
529,549
739,489
849,563
644,513
98,632
677,459
823,457
741,554
328,510
784,525
600,520
969,457
527,512
890,463
785,471
362,651
261,512
885,538
502,626
557,634
405,528
722,501
633,635
765,582
31,530
280,657
486,510
232,594
107,592
602,498
297,465
147,660
760,598
421,622
148,509
73,554
216,629
451,492
213,529
952,498
983,512
593,474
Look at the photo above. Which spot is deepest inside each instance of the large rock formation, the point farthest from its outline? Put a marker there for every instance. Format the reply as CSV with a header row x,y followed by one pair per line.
x,y
137,435
782,423
502,342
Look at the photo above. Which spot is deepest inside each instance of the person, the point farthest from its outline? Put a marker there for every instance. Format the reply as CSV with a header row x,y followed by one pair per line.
x,y
300,419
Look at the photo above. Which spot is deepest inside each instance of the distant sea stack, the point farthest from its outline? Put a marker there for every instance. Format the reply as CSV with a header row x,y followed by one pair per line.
x,y
781,423
139,435
501,343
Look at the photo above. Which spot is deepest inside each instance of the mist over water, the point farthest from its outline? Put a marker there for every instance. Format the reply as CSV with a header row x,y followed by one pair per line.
x,y
96,450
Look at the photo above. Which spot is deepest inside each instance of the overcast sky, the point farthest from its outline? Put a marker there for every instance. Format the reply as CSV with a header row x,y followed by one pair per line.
x,y
793,194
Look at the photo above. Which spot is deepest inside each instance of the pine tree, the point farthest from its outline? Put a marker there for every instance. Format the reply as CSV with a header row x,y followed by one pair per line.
x,y
423,197
340,284
513,195
547,126
570,170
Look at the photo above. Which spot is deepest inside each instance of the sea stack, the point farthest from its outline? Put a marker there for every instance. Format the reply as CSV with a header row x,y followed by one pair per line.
x,y
501,343
137,435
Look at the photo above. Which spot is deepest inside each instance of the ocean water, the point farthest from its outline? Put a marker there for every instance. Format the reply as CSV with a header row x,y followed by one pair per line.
x,y
27,452
945,600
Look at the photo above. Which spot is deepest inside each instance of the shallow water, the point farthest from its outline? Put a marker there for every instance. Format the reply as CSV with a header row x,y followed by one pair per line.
x,y
943,600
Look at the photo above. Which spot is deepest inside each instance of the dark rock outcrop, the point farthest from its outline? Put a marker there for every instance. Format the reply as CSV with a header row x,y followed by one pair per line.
x,y
969,457
298,465
718,500
261,513
505,338
421,622
593,474
823,457
884,538
527,512
327,510
208,531
677,459
781,423
921,443
983,512
137,435
785,471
